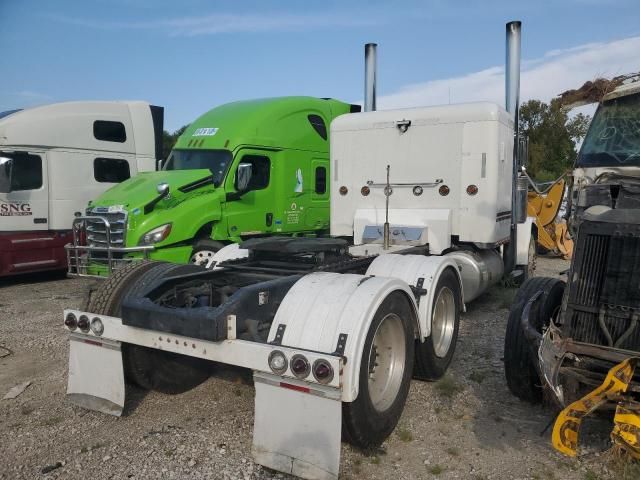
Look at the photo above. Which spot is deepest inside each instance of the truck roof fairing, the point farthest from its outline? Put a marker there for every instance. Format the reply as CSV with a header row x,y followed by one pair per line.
x,y
261,122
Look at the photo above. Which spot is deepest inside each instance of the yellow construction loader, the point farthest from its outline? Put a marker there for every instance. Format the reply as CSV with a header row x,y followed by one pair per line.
x,y
552,233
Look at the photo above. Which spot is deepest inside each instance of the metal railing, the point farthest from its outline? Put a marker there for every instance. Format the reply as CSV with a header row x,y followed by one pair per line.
x,y
85,260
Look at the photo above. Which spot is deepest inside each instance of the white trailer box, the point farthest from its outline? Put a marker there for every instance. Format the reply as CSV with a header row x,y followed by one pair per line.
x,y
54,159
450,171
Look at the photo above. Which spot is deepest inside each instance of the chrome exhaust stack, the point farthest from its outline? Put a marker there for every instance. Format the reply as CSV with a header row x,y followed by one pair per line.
x,y
370,77
512,104
512,70
512,87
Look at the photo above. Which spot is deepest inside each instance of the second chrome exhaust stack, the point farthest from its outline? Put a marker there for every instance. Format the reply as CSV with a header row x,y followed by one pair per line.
x,y
370,77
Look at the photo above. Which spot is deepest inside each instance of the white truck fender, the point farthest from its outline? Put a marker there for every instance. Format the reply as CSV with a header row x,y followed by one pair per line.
x,y
228,252
415,270
332,312
525,230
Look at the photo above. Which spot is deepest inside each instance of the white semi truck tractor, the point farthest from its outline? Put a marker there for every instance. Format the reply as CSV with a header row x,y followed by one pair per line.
x,y
53,160
334,329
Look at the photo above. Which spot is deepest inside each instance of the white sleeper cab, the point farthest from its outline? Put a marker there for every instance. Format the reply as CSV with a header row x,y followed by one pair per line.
x,y
53,160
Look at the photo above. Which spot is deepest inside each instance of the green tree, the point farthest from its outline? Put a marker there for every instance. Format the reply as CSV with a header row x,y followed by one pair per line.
x,y
170,139
552,138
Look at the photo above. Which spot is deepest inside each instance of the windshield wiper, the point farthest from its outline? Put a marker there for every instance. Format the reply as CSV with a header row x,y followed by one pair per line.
x,y
203,182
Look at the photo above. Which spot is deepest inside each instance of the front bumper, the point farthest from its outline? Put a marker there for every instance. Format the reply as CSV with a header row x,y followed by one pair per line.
x,y
99,261
563,363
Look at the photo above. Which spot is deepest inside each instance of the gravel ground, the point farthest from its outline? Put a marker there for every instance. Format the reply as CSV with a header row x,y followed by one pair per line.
x,y
466,426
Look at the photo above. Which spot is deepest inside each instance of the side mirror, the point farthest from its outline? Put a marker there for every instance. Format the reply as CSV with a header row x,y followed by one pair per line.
x,y
243,177
163,189
6,171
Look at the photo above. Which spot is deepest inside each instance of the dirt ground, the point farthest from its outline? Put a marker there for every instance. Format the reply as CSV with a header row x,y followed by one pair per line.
x,y
467,426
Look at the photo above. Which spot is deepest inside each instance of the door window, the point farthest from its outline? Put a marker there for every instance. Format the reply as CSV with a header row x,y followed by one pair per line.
x,y
27,171
110,170
321,180
260,171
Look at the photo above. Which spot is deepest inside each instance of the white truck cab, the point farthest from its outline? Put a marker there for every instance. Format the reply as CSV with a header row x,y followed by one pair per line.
x,y
608,166
449,176
54,159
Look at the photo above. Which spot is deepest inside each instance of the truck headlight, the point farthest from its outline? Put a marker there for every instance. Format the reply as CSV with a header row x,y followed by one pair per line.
x,y
156,235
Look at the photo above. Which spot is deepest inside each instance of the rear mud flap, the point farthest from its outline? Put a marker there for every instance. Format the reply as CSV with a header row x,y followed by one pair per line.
x,y
295,431
96,374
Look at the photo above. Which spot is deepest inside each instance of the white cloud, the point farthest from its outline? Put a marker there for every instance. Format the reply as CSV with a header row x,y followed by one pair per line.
x,y
542,78
225,23
31,95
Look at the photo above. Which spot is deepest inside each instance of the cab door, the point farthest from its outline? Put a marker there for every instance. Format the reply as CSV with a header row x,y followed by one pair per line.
x,y
26,206
252,212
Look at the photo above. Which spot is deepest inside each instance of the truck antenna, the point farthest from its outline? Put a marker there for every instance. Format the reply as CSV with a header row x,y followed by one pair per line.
x,y
387,194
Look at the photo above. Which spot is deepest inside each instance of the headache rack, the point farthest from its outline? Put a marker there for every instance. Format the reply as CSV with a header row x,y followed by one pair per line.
x,y
98,245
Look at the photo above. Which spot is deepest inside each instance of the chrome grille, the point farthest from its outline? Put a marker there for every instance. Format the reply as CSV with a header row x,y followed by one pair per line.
x,y
96,229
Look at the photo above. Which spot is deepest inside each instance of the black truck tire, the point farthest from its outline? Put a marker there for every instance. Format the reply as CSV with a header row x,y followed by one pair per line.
x,y
519,368
204,250
106,298
374,414
431,363
149,368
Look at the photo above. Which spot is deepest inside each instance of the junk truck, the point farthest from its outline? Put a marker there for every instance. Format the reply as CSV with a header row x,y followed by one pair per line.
x,y
53,160
422,221
563,337
194,206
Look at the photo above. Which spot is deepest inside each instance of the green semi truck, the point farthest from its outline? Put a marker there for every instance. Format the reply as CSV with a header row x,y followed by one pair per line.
x,y
244,169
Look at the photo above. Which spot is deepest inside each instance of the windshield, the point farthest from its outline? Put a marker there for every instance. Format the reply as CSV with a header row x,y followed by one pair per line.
x,y
613,138
216,161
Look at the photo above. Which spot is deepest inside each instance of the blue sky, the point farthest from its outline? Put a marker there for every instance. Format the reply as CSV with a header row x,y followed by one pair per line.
x,y
192,55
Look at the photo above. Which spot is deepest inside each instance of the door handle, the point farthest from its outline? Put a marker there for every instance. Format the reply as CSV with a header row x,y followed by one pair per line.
x,y
39,220
269,219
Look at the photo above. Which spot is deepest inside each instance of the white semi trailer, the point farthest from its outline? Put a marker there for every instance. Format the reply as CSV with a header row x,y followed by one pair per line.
x,y
333,328
53,160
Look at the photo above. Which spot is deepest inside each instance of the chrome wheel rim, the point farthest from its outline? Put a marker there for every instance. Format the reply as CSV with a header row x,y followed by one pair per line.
x,y
387,356
443,322
202,257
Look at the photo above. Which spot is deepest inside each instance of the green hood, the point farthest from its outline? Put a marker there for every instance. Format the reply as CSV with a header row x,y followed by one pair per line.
x,y
138,191
196,206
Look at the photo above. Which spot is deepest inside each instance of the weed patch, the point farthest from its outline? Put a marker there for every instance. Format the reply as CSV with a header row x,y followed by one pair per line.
x,y
448,387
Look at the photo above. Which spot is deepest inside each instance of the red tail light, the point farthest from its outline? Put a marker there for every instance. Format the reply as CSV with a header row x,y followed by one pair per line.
x,y
300,366
83,323
71,322
322,371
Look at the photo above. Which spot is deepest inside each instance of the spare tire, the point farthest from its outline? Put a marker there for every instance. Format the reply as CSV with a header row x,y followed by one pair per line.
x,y
149,368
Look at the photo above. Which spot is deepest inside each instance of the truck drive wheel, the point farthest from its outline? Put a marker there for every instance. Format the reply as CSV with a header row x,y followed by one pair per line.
x,y
519,368
385,375
148,368
434,355
203,251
